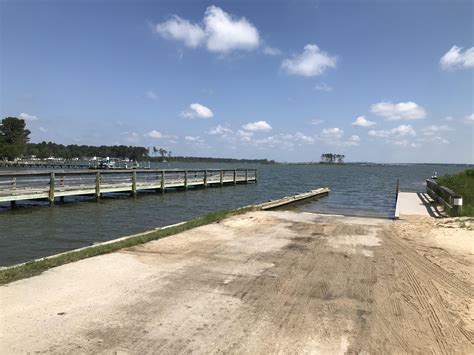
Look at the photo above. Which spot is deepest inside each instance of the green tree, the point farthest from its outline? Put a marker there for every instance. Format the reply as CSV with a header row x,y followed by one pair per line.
x,y
13,138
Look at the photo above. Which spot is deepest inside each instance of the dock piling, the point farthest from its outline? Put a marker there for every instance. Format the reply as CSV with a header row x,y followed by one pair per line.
x,y
97,186
51,189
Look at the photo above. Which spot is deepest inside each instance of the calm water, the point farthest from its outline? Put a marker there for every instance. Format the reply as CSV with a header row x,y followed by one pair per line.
x,y
35,230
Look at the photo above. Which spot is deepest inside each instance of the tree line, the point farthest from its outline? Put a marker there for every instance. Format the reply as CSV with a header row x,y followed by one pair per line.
x,y
14,143
331,158
45,150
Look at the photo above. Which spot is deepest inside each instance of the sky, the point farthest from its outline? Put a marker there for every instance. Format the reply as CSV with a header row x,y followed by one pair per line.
x,y
379,81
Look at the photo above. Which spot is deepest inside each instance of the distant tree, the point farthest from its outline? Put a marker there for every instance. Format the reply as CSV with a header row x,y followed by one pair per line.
x,y
169,154
155,150
331,158
162,153
13,138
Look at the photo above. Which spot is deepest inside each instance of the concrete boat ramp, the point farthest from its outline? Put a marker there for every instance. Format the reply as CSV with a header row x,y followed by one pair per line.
x,y
257,283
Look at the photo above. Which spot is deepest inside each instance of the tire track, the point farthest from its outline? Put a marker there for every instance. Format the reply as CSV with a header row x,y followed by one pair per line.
x,y
433,271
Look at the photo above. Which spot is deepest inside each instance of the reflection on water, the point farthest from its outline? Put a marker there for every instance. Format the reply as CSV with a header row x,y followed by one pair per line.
x,y
33,230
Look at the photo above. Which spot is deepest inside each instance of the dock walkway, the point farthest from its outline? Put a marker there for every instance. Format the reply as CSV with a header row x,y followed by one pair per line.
x,y
416,204
49,185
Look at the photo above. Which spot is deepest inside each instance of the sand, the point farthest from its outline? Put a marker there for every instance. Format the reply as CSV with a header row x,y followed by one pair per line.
x,y
262,282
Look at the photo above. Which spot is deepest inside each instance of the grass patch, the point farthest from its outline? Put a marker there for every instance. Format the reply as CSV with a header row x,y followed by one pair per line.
x,y
462,184
36,267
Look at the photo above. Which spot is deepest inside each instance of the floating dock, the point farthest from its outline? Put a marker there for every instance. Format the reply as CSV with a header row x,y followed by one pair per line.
x,y
293,199
50,185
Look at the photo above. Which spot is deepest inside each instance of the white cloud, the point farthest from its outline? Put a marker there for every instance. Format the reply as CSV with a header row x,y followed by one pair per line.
x,y
197,111
455,58
448,118
182,30
401,111
316,121
311,62
434,129
132,137
220,31
271,51
397,132
323,87
27,117
262,126
226,33
151,95
361,121
154,134
332,133
354,138
194,139
470,118
220,130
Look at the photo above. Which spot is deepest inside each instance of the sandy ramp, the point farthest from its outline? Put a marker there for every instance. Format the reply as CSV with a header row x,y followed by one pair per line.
x,y
257,283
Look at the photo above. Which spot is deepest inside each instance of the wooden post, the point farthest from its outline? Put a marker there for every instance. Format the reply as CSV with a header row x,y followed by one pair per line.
x,y
235,176
222,177
14,183
185,179
246,176
457,206
51,189
162,181
97,185
134,183
255,175
205,178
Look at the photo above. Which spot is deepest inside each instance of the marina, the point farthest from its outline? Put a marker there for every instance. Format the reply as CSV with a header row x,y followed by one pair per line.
x,y
51,185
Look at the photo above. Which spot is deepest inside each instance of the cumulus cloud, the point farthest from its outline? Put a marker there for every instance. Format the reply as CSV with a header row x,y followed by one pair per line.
x,y
311,62
194,139
220,31
470,118
271,51
197,111
435,129
226,33
332,133
455,58
361,121
262,126
151,95
220,130
400,131
181,30
316,121
28,117
323,87
401,111
154,134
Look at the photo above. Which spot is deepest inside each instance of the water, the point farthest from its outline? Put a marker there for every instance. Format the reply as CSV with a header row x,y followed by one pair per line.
x,y
34,230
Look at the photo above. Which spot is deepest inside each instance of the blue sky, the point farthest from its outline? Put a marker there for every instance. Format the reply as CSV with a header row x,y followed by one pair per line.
x,y
381,81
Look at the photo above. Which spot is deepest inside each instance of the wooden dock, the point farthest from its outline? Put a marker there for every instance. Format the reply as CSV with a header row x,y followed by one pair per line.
x,y
51,185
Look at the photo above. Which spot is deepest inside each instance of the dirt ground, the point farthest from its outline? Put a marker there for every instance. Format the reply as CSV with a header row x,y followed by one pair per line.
x,y
263,282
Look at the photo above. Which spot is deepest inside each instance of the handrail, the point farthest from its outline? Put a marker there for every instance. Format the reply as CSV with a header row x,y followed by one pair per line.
x,y
451,201
117,171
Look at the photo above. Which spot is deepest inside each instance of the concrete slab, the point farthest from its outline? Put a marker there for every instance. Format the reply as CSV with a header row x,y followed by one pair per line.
x,y
410,203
